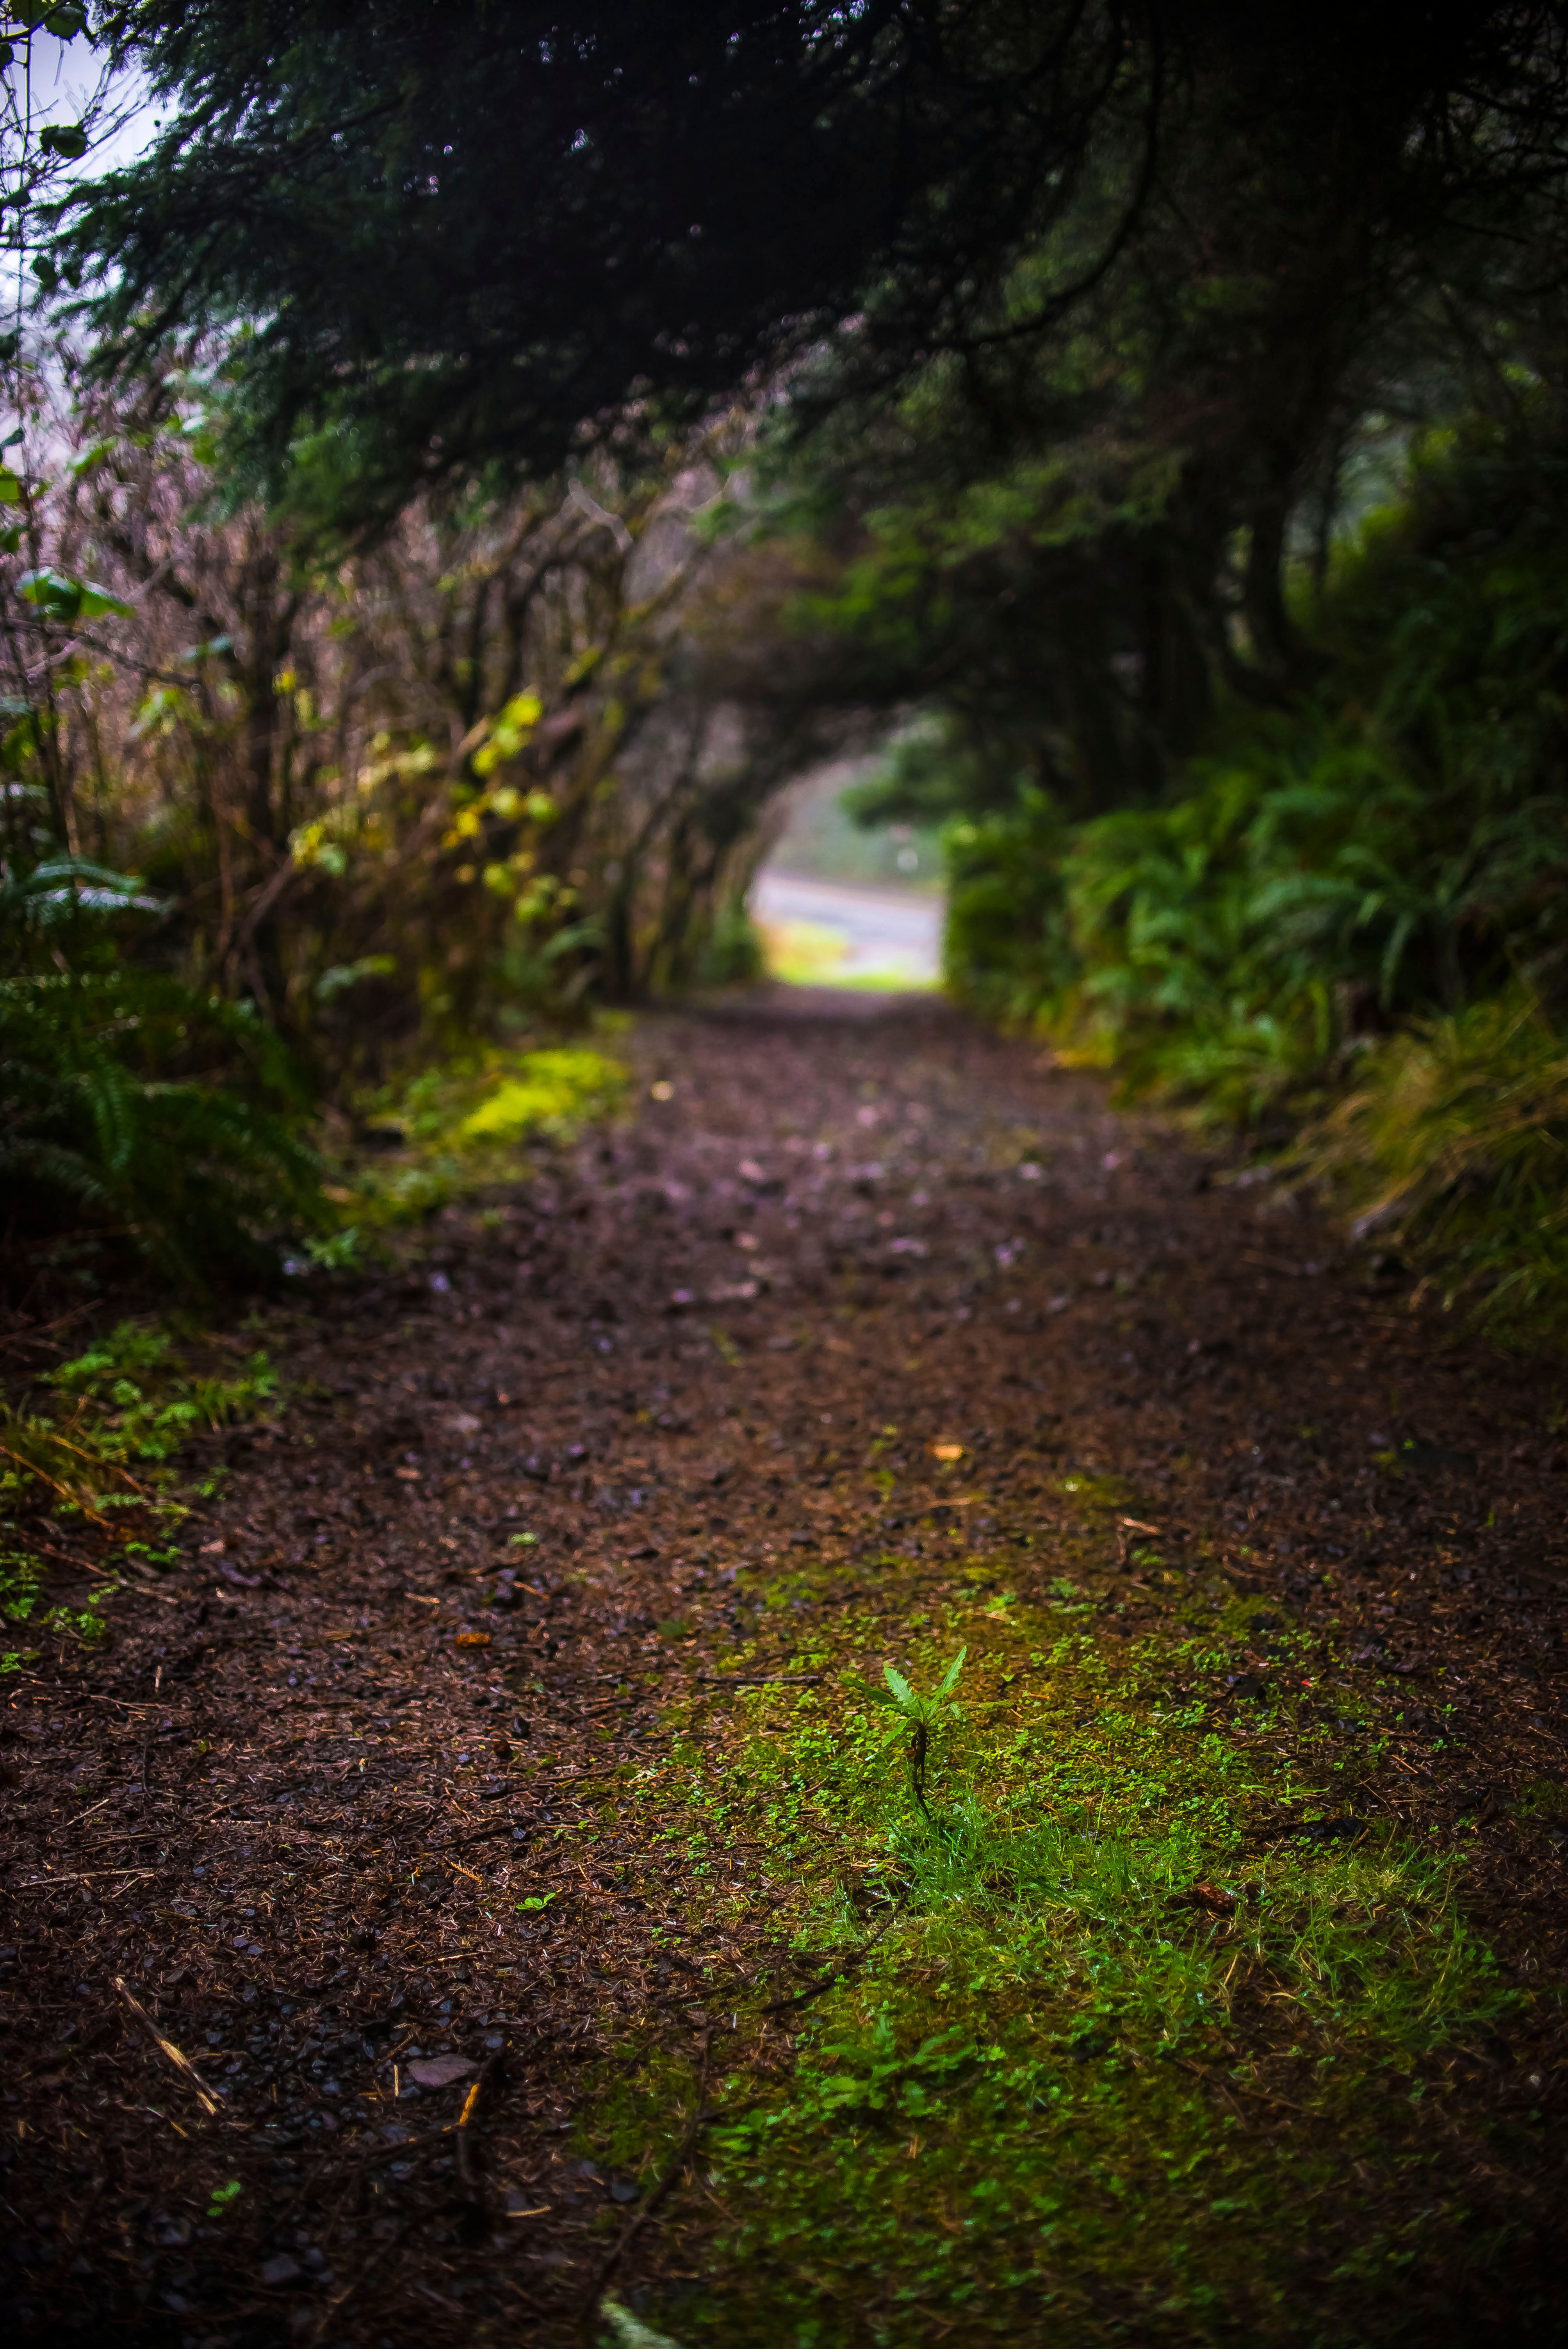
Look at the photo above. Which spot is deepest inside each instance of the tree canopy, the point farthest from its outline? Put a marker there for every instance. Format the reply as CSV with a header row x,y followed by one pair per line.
x,y
447,237
1101,512
463,234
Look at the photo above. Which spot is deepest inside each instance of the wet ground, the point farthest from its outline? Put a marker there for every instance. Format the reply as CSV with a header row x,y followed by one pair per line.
x,y
325,1916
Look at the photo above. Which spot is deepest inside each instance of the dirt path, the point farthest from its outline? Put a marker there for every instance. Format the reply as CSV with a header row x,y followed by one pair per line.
x,y
489,1806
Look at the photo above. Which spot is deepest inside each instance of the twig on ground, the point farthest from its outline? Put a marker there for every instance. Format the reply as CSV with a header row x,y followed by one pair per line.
x,y
470,2183
186,2069
759,1680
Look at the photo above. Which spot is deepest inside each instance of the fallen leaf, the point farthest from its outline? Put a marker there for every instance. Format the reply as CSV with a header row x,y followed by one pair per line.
x,y
409,1475
473,1638
1205,1895
1211,1896
441,2071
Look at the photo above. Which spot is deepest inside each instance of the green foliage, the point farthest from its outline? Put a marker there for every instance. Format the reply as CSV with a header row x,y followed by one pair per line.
x,y
1387,846
385,856
630,2332
125,1409
1007,949
145,1401
1453,1139
1036,2091
1047,2138
22,1578
922,1714
136,1112
68,600
1362,894
58,897
458,1125
551,1092
747,178
1212,935
106,1131
732,954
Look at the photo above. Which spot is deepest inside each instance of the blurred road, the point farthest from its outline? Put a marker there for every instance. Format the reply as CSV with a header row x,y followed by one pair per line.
x,y
831,930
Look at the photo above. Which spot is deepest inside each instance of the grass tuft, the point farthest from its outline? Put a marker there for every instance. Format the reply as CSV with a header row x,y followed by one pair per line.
x,y
1455,1141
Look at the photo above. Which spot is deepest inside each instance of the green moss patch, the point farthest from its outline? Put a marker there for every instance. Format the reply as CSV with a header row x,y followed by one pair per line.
x,y
454,1129
1145,2028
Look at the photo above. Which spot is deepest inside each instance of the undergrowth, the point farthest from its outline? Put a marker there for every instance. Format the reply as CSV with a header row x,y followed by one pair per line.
x,y
1351,905
1453,1138
137,1112
1089,2027
100,1463
454,1129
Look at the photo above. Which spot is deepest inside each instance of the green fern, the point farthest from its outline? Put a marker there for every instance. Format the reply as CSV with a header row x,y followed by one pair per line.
x,y
1454,1141
107,1130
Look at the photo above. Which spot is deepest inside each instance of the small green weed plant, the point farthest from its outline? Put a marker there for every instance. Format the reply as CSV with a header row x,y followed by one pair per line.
x,y
922,1715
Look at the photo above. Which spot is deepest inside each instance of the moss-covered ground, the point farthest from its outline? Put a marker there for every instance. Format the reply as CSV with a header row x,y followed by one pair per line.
x,y
1147,2027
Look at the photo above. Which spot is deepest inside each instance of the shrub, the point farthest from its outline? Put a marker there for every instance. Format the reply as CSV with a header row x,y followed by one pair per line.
x,y
1454,1138
108,1135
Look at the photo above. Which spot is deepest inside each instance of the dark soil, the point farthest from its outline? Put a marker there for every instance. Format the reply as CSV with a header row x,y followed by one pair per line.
x,y
272,1812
